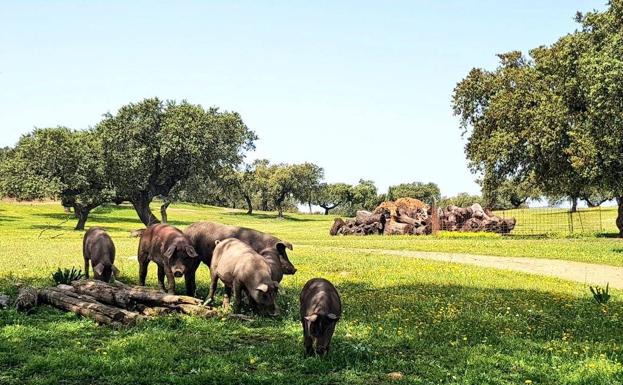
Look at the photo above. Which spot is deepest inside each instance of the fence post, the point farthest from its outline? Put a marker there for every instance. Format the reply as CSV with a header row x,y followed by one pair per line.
x,y
434,218
570,220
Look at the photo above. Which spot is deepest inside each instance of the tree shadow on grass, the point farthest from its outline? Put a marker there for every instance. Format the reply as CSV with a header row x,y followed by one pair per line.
x,y
609,235
430,333
64,217
286,217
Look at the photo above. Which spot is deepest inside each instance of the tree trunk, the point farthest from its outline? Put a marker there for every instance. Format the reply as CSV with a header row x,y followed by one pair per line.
x,y
82,213
141,205
163,211
327,208
574,204
310,207
619,220
280,211
247,199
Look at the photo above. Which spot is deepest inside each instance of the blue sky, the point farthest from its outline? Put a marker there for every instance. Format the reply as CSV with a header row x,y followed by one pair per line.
x,y
360,88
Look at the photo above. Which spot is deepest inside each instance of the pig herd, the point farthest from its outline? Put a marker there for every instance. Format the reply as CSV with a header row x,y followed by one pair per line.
x,y
248,262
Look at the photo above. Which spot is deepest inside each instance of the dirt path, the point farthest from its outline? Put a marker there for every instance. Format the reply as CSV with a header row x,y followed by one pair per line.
x,y
587,273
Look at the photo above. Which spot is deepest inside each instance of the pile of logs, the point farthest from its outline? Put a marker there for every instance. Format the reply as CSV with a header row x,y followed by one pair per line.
x,y
403,216
474,219
117,303
412,216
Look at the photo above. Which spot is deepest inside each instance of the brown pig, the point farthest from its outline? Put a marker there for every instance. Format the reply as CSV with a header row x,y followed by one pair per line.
x,y
203,234
321,308
171,250
98,247
242,269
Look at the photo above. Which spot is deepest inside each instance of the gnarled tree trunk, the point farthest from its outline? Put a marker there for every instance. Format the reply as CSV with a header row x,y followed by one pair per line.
x,y
141,205
574,204
82,216
249,203
82,213
163,210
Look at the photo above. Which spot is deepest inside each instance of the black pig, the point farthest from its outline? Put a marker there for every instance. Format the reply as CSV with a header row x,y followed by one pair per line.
x,y
321,308
98,247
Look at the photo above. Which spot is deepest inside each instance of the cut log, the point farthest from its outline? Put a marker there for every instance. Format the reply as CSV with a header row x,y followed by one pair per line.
x,y
137,233
153,311
87,306
150,296
367,218
195,310
27,299
105,293
395,228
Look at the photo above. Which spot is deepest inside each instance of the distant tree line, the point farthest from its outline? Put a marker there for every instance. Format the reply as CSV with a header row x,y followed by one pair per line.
x,y
174,151
551,123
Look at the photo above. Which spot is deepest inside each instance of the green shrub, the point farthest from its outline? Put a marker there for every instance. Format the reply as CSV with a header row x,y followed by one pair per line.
x,y
601,295
66,276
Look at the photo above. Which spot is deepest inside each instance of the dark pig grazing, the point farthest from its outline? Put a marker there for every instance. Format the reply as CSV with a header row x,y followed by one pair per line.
x,y
274,262
242,269
203,234
321,308
99,249
171,250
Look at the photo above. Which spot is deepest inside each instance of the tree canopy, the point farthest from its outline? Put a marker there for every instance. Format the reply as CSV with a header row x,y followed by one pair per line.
x,y
426,192
153,145
553,118
58,163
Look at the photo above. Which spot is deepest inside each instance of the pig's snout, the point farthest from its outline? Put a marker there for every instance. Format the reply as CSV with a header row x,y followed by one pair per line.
x,y
177,274
289,269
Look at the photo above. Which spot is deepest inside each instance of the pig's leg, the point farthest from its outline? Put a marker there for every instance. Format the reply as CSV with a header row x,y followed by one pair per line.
x,y
86,268
170,280
307,340
237,295
213,285
189,280
161,277
142,269
226,296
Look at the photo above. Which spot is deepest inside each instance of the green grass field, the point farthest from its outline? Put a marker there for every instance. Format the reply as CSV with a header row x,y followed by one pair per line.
x,y
436,323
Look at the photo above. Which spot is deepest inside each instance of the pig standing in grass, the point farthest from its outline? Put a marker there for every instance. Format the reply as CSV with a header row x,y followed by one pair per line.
x,y
171,250
242,268
98,247
321,308
203,235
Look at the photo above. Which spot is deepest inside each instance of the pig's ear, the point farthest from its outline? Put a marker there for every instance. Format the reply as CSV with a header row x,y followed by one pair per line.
x,y
191,252
284,244
169,252
311,317
333,316
262,287
99,269
116,271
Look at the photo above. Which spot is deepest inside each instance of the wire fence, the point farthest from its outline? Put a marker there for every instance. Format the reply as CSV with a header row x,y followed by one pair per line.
x,y
561,221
